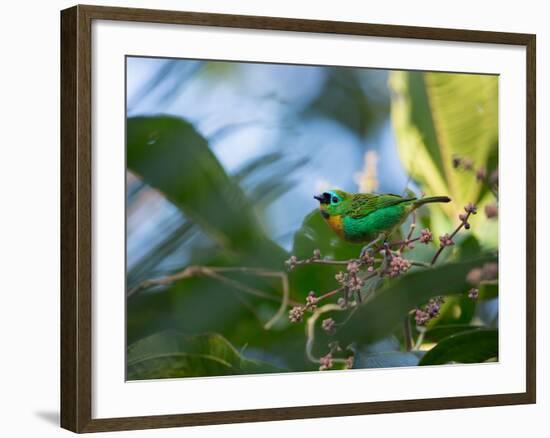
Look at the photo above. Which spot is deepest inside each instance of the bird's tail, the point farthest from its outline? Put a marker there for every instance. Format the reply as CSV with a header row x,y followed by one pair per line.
x,y
423,201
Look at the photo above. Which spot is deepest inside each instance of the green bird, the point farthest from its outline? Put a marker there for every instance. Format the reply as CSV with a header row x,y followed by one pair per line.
x,y
366,217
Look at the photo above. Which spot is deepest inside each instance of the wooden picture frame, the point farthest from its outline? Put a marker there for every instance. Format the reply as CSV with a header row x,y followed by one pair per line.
x,y
76,217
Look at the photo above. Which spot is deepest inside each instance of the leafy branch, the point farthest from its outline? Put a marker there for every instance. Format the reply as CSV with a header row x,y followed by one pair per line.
x,y
380,261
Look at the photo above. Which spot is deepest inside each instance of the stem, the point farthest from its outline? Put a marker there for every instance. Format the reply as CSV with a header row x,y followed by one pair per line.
x,y
330,294
453,234
411,230
408,333
322,262
419,340
439,251
310,331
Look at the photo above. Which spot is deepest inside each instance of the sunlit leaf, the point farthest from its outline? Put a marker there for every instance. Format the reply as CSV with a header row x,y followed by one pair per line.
x,y
467,347
437,116
442,331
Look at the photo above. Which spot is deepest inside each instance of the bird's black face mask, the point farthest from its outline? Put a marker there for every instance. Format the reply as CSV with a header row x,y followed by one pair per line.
x,y
323,198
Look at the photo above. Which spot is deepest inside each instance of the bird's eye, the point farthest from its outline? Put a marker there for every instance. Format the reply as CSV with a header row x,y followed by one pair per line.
x,y
334,200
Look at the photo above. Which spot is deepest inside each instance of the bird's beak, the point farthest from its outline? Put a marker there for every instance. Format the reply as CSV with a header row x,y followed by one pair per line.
x,y
323,198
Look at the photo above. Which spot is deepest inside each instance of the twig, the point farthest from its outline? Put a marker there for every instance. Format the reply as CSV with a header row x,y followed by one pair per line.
x,y
310,331
331,293
411,230
408,333
256,292
419,339
323,261
453,234
215,273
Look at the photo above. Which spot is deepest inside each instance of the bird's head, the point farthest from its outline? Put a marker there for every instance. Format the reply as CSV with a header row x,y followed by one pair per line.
x,y
333,202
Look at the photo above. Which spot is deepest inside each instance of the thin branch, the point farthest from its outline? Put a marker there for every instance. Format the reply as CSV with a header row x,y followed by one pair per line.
x,y
331,293
270,274
411,230
408,333
215,273
323,262
420,339
310,331
436,255
453,234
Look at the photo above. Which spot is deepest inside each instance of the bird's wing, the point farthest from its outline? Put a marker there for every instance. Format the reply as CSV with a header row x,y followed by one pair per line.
x,y
364,204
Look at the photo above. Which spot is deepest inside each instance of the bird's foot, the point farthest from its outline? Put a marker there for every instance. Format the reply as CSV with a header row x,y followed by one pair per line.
x,y
369,248
366,250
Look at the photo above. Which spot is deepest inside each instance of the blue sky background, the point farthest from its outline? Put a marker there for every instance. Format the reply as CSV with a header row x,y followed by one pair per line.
x,y
322,120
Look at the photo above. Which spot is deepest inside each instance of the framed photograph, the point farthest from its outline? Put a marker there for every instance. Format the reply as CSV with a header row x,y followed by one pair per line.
x,y
269,218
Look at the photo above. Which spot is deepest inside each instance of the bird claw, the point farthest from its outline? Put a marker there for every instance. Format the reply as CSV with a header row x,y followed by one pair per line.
x,y
368,248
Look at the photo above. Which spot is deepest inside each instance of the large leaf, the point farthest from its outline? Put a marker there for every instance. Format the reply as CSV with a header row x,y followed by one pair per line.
x,y
437,116
171,156
473,346
172,354
385,312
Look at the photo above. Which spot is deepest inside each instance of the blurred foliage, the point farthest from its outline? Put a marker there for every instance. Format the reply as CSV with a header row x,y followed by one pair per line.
x,y
437,117
344,99
471,346
171,354
172,157
202,326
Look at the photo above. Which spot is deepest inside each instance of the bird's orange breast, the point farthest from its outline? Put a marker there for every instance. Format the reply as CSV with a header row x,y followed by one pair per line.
x,y
335,222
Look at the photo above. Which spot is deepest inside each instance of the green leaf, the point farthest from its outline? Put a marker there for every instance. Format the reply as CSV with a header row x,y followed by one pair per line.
x,y
171,156
386,311
488,291
386,359
172,354
437,116
467,347
440,332
469,247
